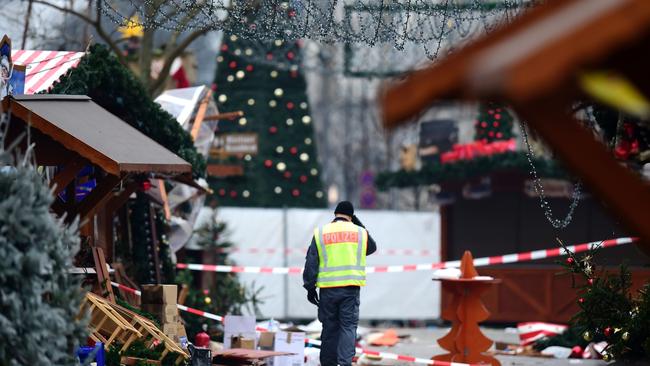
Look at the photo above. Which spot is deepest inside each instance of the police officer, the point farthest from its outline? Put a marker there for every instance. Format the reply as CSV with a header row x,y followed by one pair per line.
x,y
336,263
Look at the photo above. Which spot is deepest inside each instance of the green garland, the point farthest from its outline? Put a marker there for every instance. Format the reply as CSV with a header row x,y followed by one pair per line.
x,y
463,170
100,76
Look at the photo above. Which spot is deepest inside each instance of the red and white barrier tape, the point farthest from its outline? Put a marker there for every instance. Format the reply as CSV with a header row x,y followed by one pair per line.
x,y
387,355
303,251
478,262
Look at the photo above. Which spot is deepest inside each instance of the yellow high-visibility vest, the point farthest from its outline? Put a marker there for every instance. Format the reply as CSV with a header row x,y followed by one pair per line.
x,y
342,254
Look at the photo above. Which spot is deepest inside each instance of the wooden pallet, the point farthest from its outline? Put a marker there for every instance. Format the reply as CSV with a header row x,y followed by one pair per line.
x,y
110,322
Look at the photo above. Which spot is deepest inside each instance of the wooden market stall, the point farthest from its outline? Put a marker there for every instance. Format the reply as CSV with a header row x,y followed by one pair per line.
x,y
70,133
536,65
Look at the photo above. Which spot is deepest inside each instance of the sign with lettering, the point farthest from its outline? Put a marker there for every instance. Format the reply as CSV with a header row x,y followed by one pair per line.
x,y
229,144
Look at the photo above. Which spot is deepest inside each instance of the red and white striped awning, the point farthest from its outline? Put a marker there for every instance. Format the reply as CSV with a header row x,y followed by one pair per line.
x,y
44,67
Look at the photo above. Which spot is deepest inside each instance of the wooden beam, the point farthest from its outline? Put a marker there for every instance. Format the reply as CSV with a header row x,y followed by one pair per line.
x,y
103,277
165,199
97,197
222,116
67,175
200,114
119,199
623,192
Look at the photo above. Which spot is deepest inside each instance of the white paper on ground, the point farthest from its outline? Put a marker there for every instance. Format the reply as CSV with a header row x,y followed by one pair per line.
x,y
292,342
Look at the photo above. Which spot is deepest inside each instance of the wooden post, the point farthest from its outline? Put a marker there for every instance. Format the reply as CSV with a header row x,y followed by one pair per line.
x,y
465,341
103,277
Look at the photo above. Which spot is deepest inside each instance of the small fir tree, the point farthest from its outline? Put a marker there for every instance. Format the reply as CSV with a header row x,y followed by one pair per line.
x,y
609,310
493,123
39,299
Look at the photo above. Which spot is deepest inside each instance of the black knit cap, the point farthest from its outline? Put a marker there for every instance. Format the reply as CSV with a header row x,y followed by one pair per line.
x,y
345,208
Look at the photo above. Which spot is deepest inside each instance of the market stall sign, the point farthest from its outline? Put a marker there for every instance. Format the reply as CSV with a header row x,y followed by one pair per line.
x,y
234,144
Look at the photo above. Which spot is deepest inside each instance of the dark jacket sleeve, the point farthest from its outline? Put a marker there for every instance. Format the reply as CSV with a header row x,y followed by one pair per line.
x,y
372,246
310,273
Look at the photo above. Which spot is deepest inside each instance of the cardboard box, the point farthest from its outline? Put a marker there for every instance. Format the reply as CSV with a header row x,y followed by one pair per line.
x,y
164,313
266,341
238,326
290,342
242,342
159,294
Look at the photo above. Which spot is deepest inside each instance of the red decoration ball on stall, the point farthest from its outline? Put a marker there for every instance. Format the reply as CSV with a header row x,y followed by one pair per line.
x,y
607,331
290,105
222,192
232,64
273,129
233,194
581,300
224,47
268,163
287,175
249,68
590,282
295,192
293,150
497,116
491,133
269,56
499,135
495,124
146,185
303,179
206,292
292,13
290,55
490,111
202,340
570,260
484,124
213,87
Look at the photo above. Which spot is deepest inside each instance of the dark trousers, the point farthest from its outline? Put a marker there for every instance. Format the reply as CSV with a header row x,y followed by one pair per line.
x,y
338,310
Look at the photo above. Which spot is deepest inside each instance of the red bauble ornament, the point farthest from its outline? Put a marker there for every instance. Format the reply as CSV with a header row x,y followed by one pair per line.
x,y
497,116
232,64
249,68
233,194
499,135
146,185
202,340
495,124
268,163
295,192
290,55
303,179
490,111
491,134
224,47
484,124
293,150
290,105
213,87
273,129
634,147
607,331
287,175
292,13
570,260
269,56
581,300
623,150
590,281
222,192
206,292
576,352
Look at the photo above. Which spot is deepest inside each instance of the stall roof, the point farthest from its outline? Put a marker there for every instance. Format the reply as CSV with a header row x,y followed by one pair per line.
x,y
82,126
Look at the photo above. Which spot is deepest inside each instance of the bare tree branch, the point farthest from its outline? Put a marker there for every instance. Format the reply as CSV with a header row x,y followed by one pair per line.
x,y
96,23
171,55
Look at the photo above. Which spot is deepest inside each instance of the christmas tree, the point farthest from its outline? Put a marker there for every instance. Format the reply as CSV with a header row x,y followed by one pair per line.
x,y
609,310
265,81
493,123
39,300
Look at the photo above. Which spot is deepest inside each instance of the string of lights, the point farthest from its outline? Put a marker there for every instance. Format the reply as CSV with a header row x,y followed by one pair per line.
x,y
428,23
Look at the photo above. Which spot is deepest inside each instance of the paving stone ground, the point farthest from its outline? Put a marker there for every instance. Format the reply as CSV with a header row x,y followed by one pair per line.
x,y
423,344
